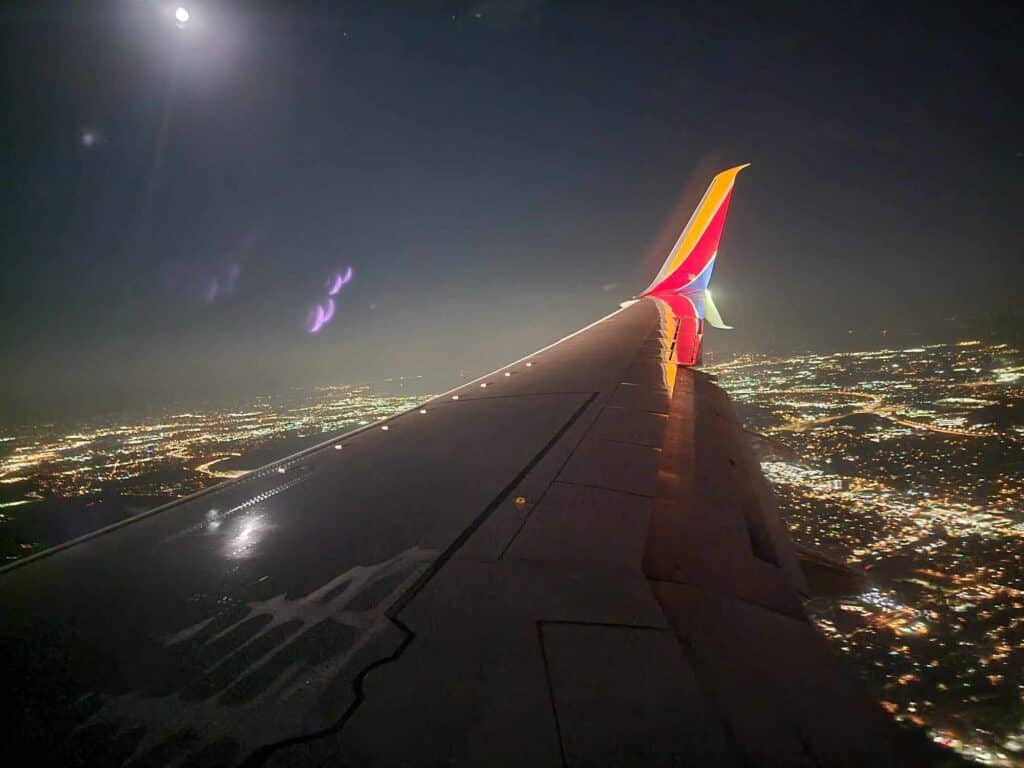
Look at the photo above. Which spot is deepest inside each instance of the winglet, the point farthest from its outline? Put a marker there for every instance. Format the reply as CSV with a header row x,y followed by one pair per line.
x,y
712,315
691,260
681,285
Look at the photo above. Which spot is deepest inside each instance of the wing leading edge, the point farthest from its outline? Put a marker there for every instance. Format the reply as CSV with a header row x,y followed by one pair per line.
x,y
573,560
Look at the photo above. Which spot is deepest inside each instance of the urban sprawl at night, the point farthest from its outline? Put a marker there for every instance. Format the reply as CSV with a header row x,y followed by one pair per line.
x,y
911,466
907,463
57,482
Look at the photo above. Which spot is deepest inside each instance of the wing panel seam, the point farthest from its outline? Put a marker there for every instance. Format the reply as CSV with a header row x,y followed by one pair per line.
x,y
408,635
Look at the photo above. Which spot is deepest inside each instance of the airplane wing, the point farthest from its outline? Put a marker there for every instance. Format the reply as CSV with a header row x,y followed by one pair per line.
x,y
571,561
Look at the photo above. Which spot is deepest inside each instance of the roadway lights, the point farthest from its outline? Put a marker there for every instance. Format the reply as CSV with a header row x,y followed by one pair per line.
x,y
385,427
181,16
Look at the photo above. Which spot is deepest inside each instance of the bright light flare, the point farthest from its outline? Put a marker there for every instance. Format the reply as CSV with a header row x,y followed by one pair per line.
x,y
319,316
315,319
339,281
322,314
245,537
182,16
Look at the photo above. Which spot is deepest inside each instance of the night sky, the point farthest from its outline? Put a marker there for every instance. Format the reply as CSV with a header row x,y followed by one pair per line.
x,y
497,175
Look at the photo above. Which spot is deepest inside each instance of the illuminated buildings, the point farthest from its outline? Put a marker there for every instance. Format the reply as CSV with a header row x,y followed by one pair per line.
x,y
912,467
95,474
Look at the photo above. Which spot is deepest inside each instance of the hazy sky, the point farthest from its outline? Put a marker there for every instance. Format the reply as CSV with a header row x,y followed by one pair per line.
x,y
497,175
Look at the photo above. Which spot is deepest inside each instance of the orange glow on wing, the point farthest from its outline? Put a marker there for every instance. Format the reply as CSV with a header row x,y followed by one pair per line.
x,y
669,327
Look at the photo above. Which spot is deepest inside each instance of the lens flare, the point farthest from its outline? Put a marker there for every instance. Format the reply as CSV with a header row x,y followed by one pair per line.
x,y
338,281
322,314
315,319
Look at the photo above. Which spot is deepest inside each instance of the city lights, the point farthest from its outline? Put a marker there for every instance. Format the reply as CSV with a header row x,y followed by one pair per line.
x,y
910,468
143,463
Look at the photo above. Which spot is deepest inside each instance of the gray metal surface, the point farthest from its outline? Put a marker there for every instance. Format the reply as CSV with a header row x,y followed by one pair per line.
x,y
576,564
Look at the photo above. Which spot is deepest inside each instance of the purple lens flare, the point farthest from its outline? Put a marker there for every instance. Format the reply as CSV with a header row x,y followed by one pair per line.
x,y
339,281
321,314
315,319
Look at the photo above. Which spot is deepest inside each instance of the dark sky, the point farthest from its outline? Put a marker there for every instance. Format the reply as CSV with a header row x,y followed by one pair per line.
x,y
498,174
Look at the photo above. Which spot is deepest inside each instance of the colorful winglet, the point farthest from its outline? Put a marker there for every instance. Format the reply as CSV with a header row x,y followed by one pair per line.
x,y
692,259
